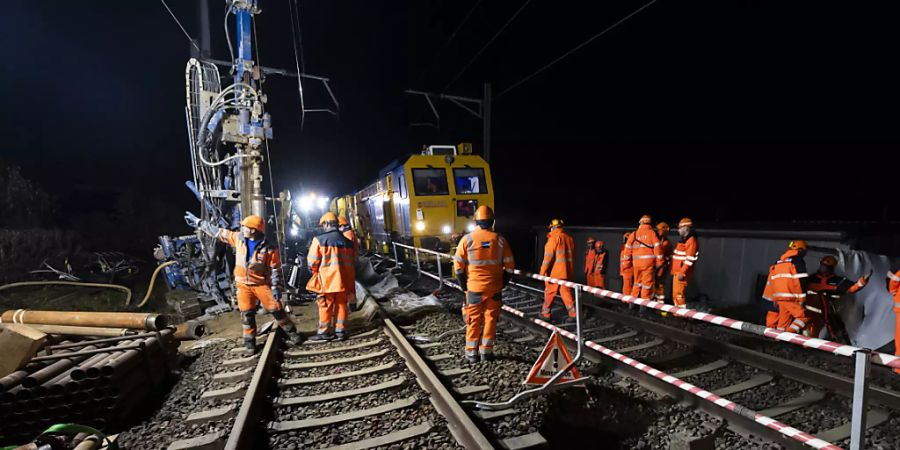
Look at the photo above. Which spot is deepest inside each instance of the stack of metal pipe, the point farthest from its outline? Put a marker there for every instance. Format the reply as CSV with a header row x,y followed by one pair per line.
x,y
98,382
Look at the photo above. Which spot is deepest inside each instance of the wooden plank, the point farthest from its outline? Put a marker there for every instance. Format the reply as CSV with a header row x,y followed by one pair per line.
x,y
525,441
19,344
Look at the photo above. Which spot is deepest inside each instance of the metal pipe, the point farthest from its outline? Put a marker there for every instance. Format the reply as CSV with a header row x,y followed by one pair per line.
x,y
79,373
69,330
103,341
12,380
82,353
54,369
92,442
860,397
190,330
141,321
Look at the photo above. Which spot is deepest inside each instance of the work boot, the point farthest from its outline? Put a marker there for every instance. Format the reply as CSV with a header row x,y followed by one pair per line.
x,y
472,359
571,320
321,337
295,338
487,357
249,348
340,336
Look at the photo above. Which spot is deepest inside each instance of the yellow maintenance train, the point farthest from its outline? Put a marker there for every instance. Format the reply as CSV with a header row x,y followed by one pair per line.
x,y
426,200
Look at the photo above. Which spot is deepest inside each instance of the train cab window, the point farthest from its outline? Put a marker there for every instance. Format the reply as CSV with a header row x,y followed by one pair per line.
x,y
466,208
402,182
430,182
469,181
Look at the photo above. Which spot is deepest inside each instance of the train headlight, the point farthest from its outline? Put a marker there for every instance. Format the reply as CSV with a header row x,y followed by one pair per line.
x,y
420,226
306,202
446,229
471,227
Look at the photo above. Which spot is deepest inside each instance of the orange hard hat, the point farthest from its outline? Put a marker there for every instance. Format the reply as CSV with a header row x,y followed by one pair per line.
x,y
598,244
484,212
685,222
645,219
255,222
343,221
662,227
626,234
555,223
798,244
829,261
328,217
591,239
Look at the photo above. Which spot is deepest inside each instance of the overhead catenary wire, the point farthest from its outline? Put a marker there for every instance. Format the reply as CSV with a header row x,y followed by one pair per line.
x,y
190,39
577,47
298,55
489,42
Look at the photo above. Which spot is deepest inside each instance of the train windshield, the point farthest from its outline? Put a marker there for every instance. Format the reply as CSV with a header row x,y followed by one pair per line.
x,y
470,181
430,182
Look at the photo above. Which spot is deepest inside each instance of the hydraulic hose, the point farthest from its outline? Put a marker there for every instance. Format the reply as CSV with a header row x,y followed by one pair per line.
x,y
69,283
152,282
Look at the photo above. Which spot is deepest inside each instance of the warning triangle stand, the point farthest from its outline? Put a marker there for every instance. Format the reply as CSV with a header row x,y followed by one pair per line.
x,y
554,358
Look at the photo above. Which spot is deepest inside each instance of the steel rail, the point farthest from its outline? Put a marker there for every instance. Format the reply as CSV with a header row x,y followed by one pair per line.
x,y
247,420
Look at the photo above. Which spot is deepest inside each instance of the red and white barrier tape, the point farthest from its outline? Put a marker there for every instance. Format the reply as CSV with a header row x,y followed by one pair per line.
x,y
793,433
835,348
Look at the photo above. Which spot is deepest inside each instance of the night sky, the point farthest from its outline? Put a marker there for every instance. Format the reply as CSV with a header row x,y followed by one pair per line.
x,y
723,111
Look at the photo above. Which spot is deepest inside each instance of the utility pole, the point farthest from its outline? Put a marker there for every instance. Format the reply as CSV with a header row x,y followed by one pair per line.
x,y
480,108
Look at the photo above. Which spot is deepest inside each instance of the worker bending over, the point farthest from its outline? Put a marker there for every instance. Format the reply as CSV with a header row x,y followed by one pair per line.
x,y
257,275
786,286
332,263
659,286
595,264
683,259
559,263
479,264
825,290
643,254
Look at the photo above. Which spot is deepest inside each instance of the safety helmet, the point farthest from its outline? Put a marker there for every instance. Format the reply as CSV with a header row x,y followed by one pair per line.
x,y
626,234
343,221
662,227
598,244
829,261
484,212
590,239
685,222
328,217
255,222
555,223
645,219
798,245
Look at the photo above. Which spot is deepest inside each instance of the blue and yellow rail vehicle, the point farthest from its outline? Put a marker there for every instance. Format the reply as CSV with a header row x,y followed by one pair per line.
x,y
426,200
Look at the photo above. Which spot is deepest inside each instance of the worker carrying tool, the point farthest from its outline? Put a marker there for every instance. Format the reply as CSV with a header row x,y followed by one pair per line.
x,y
659,286
684,257
893,286
822,300
595,264
332,263
787,286
346,230
625,270
559,263
643,254
480,262
257,275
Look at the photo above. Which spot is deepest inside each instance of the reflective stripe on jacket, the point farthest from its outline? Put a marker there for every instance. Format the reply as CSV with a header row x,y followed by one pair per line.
x,y
482,255
894,288
332,263
559,255
685,256
595,262
787,280
643,248
263,267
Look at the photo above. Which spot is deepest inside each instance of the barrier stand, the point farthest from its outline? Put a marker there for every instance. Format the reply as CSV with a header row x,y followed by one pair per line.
x,y
551,384
860,392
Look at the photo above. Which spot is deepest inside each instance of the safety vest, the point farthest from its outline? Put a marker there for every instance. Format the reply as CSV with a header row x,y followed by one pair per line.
x,y
643,248
894,288
263,267
786,283
482,255
685,255
332,263
624,263
559,255
595,261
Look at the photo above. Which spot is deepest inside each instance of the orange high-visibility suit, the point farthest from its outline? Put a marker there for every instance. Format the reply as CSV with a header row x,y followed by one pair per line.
x,y
893,285
659,286
559,262
644,254
480,260
332,263
625,269
595,266
683,259
786,286
255,276
351,288
824,292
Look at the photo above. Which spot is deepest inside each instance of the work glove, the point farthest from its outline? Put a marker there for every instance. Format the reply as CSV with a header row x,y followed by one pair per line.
x,y
463,280
276,293
192,220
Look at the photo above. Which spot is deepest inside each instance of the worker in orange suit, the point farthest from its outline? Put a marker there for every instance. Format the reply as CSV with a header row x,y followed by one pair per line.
x,y
659,287
332,263
893,286
257,275
825,291
685,255
346,230
481,263
786,286
643,252
625,270
559,263
595,264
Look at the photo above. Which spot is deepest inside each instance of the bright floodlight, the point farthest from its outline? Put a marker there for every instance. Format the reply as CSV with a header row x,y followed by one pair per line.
x,y
420,226
471,227
322,202
446,229
306,202
295,231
